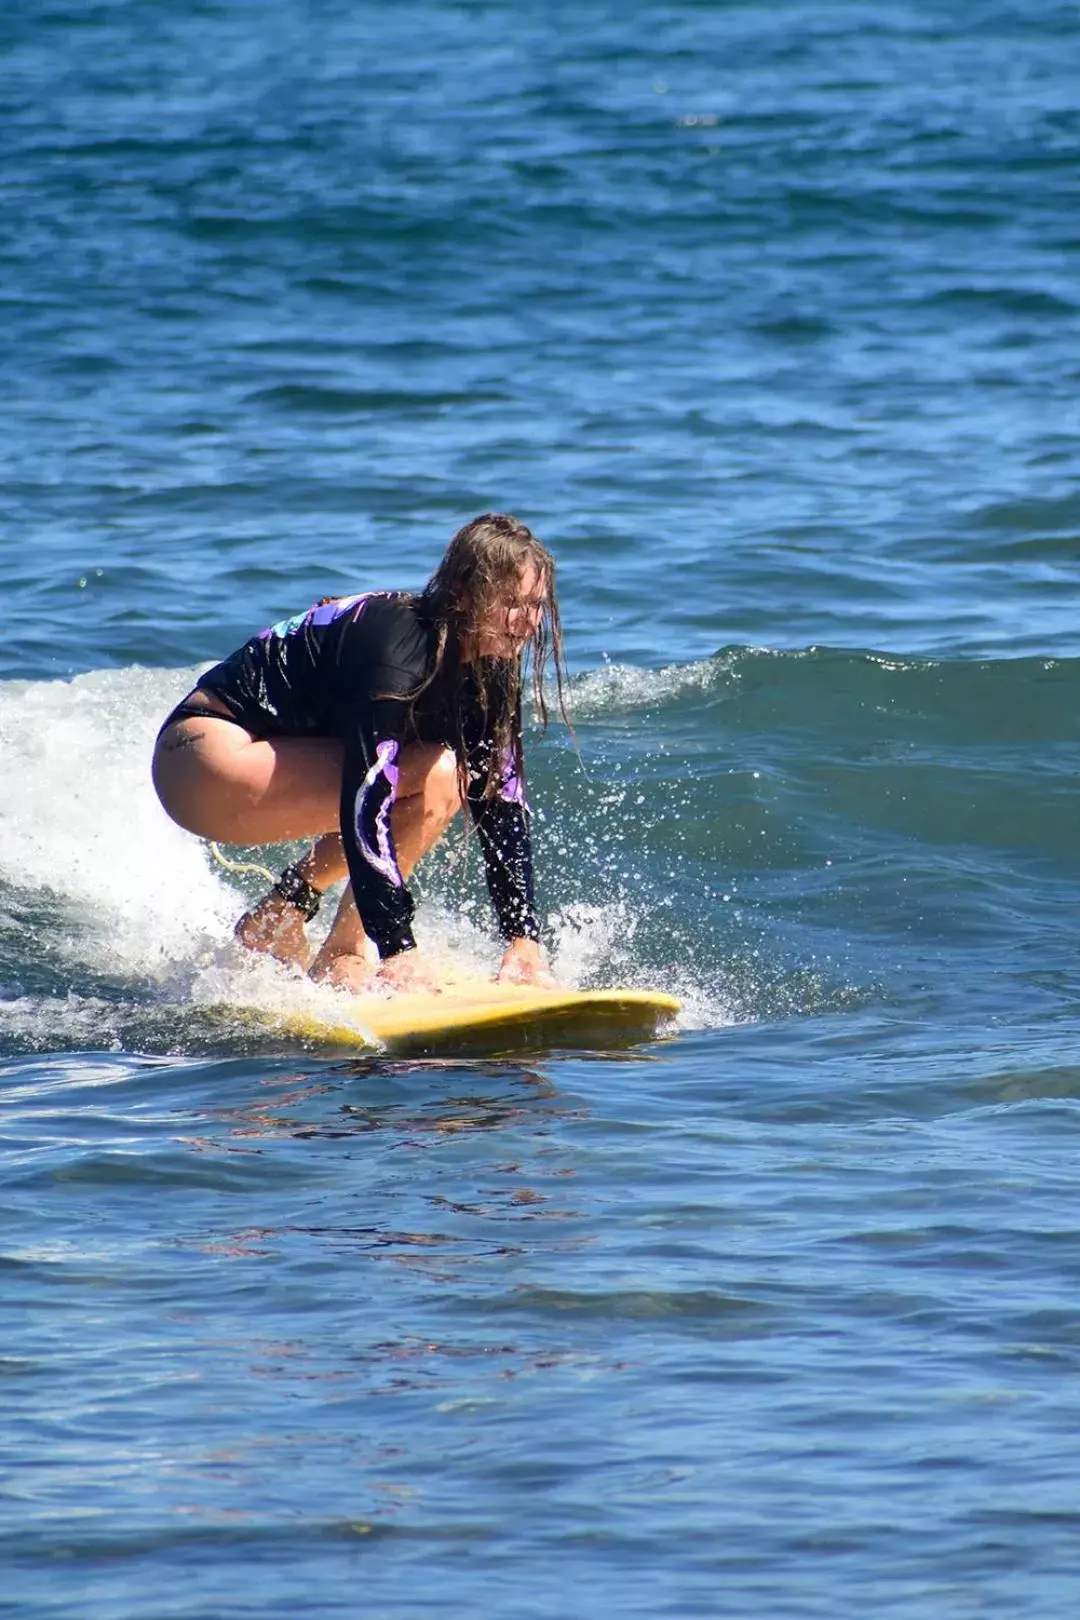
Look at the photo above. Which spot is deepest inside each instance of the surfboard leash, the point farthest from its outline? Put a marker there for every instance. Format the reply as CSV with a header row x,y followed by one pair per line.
x,y
240,866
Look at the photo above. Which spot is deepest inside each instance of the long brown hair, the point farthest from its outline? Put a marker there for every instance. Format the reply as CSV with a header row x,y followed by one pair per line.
x,y
481,569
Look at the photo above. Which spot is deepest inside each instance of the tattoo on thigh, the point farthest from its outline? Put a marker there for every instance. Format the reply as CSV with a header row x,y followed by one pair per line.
x,y
182,740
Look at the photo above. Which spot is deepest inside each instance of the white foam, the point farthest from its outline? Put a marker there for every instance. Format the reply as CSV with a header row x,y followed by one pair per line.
x,y
615,688
35,1022
127,894
591,944
85,823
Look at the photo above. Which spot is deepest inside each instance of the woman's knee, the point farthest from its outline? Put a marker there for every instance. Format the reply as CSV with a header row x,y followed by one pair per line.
x,y
443,784
430,771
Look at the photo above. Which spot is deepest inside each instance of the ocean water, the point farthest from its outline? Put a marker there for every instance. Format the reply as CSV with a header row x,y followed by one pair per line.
x,y
766,318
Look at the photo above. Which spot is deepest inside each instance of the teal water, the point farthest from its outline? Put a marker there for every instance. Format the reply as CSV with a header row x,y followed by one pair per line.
x,y
766,319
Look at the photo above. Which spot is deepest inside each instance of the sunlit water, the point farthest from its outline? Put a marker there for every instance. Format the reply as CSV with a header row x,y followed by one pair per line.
x,y
766,320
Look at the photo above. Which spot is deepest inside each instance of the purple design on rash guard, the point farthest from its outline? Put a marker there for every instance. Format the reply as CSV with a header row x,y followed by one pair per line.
x,y
381,859
511,787
329,611
321,616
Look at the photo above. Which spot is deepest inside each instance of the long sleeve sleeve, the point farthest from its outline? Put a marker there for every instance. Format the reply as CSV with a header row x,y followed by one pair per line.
x,y
368,792
382,659
502,824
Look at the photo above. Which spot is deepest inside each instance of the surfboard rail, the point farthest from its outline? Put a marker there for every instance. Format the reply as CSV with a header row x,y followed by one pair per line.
x,y
462,1014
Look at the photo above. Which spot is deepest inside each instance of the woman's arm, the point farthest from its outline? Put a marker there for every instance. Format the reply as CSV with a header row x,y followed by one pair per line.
x,y
381,659
502,824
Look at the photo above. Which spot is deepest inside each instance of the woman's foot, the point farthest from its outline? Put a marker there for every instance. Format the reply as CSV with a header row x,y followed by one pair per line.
x,y
276,925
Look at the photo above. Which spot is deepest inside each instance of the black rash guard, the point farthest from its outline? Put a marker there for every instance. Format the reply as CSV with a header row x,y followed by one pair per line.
x,y
350,669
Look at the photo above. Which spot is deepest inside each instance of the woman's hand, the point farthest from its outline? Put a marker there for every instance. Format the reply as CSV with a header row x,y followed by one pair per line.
x,y
345,971
524,963
408,970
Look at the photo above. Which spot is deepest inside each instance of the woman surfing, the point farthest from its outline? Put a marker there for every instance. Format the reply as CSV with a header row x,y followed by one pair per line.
x,y
366,723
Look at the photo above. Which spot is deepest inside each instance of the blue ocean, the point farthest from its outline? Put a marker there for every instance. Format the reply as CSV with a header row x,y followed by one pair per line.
x,y
766,319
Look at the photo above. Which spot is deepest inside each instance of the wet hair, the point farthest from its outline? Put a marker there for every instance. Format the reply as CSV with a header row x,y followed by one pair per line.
x,y
480,569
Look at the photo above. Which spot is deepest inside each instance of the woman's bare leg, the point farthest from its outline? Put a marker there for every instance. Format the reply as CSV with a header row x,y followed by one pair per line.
x,y
216,780
219,782
274,925
426,802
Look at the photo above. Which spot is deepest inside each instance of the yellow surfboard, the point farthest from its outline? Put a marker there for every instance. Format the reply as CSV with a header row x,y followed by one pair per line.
x,y
484,1013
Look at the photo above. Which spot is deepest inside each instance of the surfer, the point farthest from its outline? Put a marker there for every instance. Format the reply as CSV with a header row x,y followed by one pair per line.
x,y
366,723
